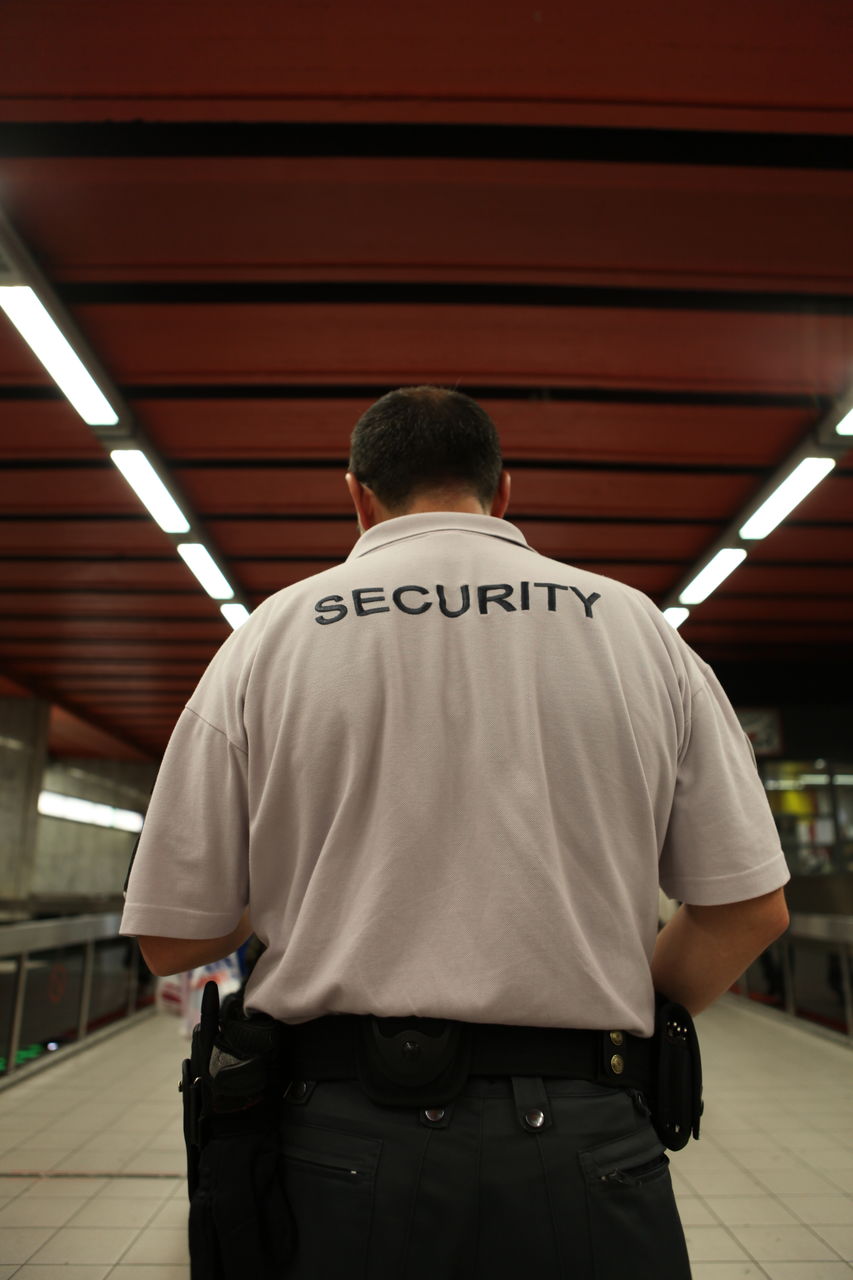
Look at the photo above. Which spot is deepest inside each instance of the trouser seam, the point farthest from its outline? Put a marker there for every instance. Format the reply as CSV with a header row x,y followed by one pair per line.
x,y
478,1216
407,1246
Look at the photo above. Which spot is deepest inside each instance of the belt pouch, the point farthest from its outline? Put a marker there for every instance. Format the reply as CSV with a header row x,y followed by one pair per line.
x,y
414,1062
677,1105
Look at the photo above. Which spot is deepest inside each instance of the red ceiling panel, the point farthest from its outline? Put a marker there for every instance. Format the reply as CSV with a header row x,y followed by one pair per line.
x,y
731,638
625,494
112,630
210,427
159,647
820,611
108,575
51,427
537,430
386,218
272,62
797,581
95,490
69,734
136,536
560,346
88,604
794,543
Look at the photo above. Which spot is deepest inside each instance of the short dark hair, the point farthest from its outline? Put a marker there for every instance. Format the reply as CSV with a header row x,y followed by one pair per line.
x,y
419,439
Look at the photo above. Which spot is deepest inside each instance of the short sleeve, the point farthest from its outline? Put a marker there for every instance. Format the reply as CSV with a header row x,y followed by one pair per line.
x,y
189,877
721,844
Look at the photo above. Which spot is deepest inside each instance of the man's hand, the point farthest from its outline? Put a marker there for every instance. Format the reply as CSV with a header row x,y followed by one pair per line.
x,y
703,950
165,956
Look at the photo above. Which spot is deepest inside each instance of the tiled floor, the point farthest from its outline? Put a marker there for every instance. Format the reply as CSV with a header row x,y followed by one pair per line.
x,y
91,1158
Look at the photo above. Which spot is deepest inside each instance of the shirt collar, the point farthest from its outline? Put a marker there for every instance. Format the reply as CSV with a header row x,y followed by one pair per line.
x,y
416,526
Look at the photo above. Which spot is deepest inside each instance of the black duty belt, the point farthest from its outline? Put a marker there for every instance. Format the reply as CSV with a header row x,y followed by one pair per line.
x,y
425,1061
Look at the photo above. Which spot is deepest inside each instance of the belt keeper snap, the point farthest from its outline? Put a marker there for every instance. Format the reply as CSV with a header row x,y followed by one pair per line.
x,y
531,1103
299,1091
435,1117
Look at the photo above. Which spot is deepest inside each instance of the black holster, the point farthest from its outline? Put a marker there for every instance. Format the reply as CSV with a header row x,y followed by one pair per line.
x,y
240,1222
676,1107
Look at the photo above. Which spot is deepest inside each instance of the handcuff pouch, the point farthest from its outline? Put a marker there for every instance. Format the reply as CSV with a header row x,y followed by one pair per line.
x,y
677,1105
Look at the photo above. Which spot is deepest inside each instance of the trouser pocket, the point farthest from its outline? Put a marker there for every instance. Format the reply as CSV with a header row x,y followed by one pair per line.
x,y
240,1223
329,1179
634,1224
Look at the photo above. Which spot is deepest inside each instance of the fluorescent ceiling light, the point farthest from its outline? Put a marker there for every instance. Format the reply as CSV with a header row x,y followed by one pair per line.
x,y
36,327
676,616
149,488
782,501
814,779
845,426
715,572
236,614
72,808
843,779
200,561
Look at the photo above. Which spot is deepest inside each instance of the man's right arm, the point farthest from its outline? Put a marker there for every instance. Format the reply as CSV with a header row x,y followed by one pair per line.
x,y
703,950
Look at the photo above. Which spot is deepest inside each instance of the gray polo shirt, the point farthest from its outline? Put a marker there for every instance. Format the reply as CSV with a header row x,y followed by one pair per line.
x,y
448,776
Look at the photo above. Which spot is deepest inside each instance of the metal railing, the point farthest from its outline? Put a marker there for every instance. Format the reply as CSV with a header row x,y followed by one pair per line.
x,y
832,934
22,940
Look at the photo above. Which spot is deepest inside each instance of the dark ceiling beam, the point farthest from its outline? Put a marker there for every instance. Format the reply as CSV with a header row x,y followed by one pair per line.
x,y
810,151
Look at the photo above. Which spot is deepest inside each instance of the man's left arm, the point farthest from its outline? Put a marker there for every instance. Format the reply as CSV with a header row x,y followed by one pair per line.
x,y
165,956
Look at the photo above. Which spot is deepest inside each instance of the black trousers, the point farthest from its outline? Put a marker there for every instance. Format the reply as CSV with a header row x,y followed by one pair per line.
x,y
554,1179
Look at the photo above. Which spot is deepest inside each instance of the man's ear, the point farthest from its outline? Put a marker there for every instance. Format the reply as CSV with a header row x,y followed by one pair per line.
x,y
363,501
501,498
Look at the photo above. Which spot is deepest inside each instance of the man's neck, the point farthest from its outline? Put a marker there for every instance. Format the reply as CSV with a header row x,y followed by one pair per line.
x,y
467,505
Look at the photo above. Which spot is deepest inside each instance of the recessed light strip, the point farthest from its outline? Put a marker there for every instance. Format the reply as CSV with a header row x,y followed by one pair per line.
x,y
201,563
715,571
234,614
31,304
675,616
52,804
42,334
789,494
150,489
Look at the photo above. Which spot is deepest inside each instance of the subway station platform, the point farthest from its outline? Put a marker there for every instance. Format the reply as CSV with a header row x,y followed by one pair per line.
x,y
92,1164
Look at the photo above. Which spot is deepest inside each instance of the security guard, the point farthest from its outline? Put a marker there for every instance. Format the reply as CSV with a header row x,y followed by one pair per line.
x,y
442,783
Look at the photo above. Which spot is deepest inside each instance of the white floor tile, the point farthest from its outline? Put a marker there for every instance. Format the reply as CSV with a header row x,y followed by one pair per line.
x,y
722,1184
807,1270
123,1272
821,1210
794,1182
830,1159
147,1188
156,1245
783,1244
80,1187
115,1211
727,1271
750,1211
41,1212
712,1244
694,1212
841,1179
38,1271
174,1213
158,1162
86,1244
840,1238
11,1187
18,1244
